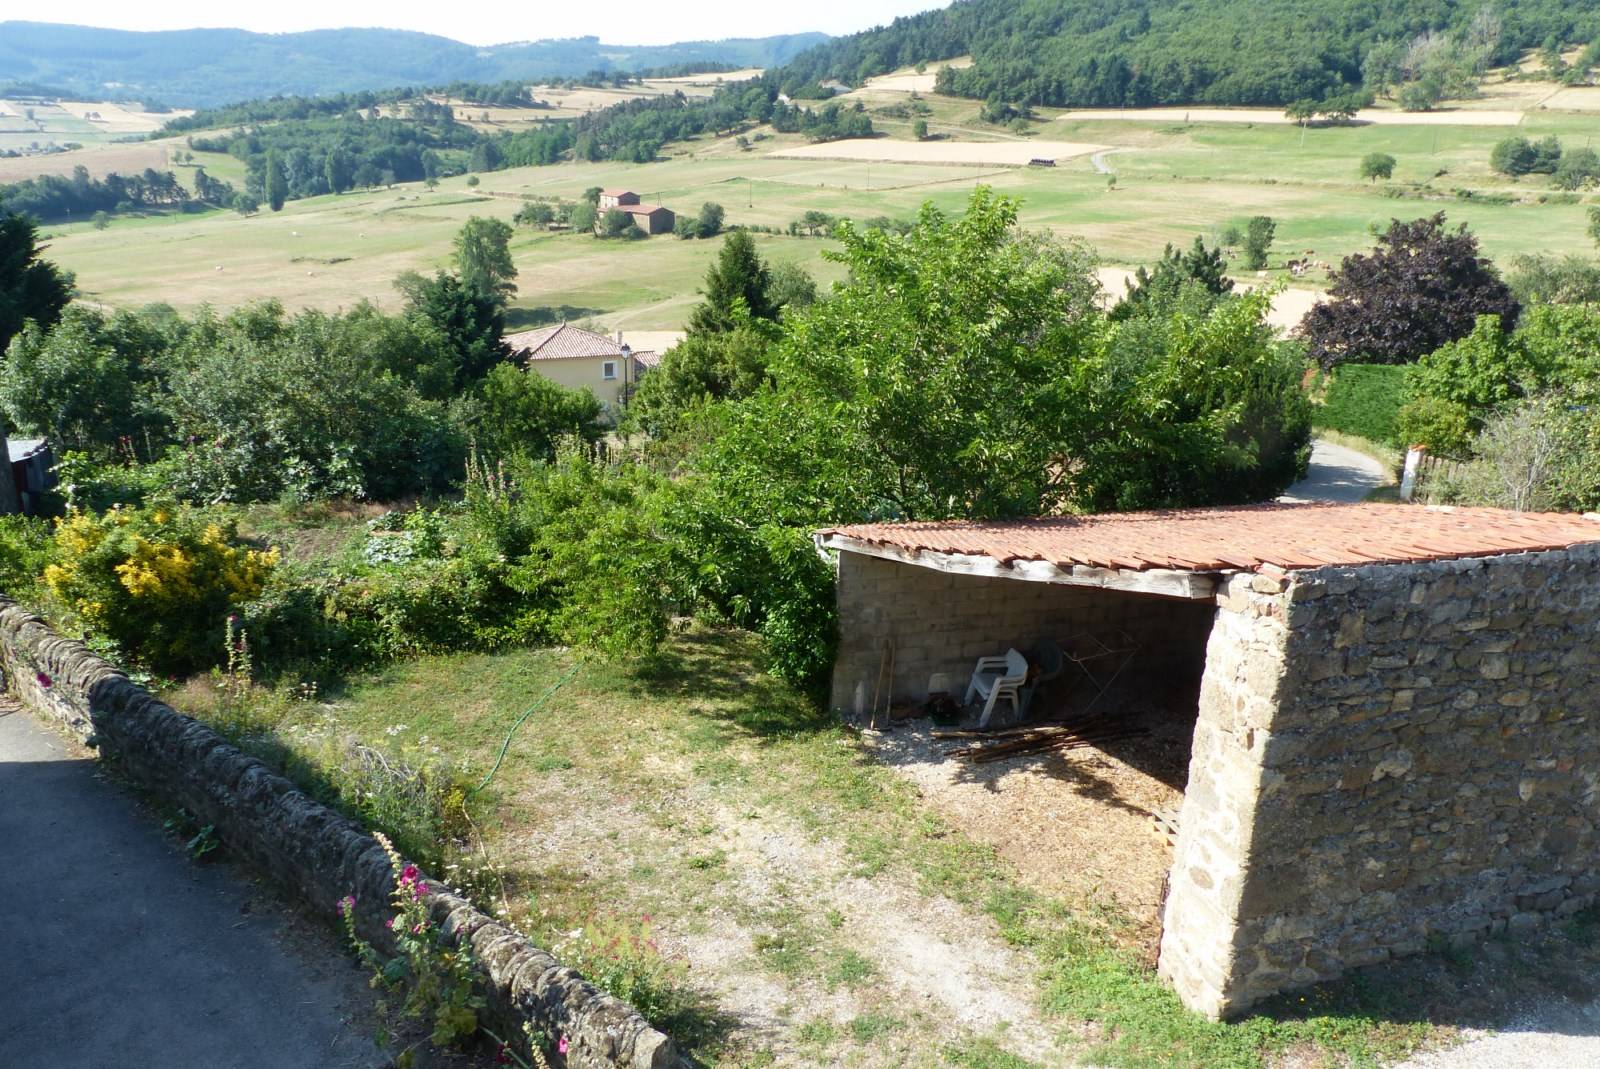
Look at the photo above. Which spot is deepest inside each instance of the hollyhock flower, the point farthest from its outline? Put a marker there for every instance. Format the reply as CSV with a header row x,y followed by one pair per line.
x,y
389,924
561,1045
346,904
44,681
409,873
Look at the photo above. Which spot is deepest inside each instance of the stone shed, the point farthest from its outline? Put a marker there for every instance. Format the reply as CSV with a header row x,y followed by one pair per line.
x,y
1396,709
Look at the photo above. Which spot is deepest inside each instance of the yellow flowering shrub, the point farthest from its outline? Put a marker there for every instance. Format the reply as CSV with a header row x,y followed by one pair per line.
x,y
160,581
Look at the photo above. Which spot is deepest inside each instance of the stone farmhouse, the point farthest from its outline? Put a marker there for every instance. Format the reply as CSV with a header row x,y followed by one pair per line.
x,y
651,218
1392,710
578,359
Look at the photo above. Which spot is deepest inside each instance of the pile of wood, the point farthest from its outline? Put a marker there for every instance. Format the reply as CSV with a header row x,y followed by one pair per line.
x,y
1048,735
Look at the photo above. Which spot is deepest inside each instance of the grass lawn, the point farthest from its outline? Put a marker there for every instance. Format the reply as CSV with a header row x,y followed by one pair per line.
x,y
809,907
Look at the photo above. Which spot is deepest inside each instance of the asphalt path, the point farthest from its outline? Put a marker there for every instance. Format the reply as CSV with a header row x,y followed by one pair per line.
x,y
117,950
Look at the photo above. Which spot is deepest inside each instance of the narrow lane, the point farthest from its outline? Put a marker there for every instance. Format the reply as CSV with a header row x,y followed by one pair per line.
x,y
117,950
1338,474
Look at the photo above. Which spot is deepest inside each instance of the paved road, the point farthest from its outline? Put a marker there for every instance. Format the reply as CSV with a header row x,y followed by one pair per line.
x,y
116,950
1338,474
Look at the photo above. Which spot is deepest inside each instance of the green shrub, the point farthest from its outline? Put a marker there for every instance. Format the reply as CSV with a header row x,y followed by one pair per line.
x,y
1363,400
1441,426
159,581
26,547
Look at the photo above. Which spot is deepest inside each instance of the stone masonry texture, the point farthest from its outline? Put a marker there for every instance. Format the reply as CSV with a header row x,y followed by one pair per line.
x,y
1387,758
310,848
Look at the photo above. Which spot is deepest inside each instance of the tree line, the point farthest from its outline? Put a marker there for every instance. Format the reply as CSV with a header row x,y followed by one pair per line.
x,y
1079,53
57,197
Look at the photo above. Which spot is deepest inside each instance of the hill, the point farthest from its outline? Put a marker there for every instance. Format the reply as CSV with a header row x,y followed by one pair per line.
x,y
203,68
1086,53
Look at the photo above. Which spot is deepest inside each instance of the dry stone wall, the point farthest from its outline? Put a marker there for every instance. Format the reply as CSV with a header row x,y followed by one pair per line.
x,y
1387,757
940,624
310,848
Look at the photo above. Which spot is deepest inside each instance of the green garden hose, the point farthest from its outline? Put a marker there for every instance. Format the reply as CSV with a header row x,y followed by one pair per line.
x,y
526,713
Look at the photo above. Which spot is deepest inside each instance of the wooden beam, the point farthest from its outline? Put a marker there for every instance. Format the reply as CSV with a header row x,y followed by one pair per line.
x,y
1164,582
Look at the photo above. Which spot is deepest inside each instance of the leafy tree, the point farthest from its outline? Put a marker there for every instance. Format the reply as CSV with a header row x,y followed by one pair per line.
x,y
246,204
1258,234
1577,169
791,289
338,171
277,183
30,288
471,320
736,288
1148,290
592,196
1518,156
919,129
1422,287
616,223
709,222
1376,165
483,258
101,220
77,383
1593,229
535,213
584,216
1540,279
519,412
699,369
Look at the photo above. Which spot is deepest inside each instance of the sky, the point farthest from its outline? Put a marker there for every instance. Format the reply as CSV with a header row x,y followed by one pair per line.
x,y
628,22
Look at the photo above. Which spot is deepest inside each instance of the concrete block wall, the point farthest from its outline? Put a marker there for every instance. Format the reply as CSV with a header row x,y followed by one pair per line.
x,y
940,624
1387,757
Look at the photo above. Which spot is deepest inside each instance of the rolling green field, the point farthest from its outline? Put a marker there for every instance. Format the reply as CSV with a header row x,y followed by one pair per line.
x,y
1172,181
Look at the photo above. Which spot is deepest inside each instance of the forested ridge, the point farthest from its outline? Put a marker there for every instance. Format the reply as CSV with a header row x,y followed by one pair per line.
x,y
207,67
1086,53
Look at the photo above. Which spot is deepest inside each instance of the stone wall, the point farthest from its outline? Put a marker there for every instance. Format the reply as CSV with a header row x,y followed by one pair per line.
x,y
940,624
1387,757
303,844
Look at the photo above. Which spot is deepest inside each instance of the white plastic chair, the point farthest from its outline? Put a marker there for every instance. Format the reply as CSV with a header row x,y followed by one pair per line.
x,y
995,678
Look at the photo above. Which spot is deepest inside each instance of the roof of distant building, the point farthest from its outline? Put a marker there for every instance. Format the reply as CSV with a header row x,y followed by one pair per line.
x,y
642,209
563,341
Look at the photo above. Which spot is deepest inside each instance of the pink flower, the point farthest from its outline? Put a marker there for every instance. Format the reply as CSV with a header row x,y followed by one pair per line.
x,y
346,904
416,929
408,874
561,1045
389,924
44,681
419,890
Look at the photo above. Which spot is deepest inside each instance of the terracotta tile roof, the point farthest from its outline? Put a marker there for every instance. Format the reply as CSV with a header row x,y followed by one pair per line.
x,y
561,342
640,209
647,358
1246,537
616,192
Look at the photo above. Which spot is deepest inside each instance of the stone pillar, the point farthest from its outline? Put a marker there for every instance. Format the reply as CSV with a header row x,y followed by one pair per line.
x,y
1202,955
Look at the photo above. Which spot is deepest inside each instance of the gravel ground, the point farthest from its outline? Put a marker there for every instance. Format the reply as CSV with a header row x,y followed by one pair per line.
x,y
1563,1034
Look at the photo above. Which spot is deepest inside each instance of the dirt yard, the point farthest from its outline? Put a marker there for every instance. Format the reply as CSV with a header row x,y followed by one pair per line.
x,y
1090,836
962,153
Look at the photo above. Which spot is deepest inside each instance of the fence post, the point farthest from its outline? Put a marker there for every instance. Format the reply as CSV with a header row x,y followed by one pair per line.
x,y
1408,478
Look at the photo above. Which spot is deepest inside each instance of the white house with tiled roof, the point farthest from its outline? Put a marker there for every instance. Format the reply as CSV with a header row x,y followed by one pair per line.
x,y
581,359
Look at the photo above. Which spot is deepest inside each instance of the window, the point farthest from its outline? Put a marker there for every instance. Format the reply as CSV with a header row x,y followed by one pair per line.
x,y
608,370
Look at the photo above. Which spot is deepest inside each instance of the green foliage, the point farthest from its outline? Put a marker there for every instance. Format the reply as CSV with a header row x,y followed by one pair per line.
x,y
30,288
1364,400
701,368
26,547
483,258
1157,291
535,213
1516,155
1543,279
1484,370
471,320
312,406
736,288
275,183
1258,234
708,224
1376,165
791,288
159,581
621,956
83,383
519,412
584,217
1441,426
616,223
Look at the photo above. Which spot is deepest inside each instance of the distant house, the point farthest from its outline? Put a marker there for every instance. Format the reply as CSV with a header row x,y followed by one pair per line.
x,y
651,218
32,471
576,358
617,198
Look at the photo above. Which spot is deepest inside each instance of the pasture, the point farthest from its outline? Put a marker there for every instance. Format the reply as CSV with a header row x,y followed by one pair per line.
x,y
1147,183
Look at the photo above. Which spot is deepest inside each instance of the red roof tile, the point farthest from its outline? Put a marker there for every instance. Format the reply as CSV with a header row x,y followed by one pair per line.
x,y
563,341
1245,537
640,209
